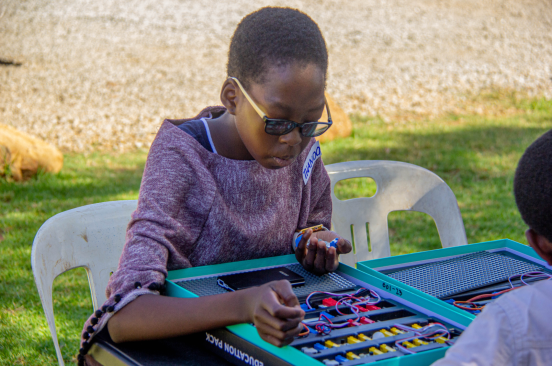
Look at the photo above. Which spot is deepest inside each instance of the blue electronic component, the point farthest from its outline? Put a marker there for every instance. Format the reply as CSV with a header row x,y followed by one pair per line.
x,y
297,240
326,314
306,308
319,347
340,358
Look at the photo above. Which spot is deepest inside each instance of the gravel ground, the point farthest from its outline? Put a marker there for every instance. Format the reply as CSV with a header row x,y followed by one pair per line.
x,y
103,74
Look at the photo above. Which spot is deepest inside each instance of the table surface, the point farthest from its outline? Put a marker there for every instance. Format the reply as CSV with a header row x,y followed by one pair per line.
x,y
184,350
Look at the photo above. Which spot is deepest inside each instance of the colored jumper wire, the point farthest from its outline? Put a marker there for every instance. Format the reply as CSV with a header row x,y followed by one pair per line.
x,y
470,304
324,325
431,331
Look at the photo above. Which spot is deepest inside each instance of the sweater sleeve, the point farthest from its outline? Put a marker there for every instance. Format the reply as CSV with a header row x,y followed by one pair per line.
x,y
172,209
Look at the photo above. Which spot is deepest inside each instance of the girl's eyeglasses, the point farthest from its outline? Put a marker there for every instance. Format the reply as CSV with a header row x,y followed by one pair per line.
x,y
275,126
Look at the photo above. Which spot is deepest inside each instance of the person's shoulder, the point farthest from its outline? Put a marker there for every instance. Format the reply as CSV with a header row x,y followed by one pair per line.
x,y
207,112
526,295
528,306
174,154
171,140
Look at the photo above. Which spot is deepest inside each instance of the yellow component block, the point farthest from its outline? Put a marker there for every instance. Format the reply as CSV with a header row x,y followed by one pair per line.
x,y
364,337
353,340
385,348
441,340
419,342
351,356
416,326
331,344
375,351
386,333
396,331
407,344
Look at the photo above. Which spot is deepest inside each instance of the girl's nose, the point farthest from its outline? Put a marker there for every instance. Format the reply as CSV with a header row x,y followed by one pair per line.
x,y
293,138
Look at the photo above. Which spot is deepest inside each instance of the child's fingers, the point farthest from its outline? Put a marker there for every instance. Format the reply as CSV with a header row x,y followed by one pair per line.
x,y
311,253
294,332
284,291
277,324
286,312
302,246
320,260
331,260
343,246
273,306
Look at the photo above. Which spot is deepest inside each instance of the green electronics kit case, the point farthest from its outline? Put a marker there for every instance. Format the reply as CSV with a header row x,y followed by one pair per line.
x,y
241,344
375,267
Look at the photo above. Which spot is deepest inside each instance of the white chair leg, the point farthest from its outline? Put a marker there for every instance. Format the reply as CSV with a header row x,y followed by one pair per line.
x,y
45,293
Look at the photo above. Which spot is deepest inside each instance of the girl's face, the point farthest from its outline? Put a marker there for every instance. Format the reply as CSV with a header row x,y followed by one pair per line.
x,y
292,92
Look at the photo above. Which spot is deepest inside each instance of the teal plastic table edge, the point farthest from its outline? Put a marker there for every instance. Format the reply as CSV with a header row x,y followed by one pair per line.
x,y
370,267
292,355
231,267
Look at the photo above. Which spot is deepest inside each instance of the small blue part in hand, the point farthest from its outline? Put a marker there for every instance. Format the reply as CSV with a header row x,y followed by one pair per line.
x,y
297,240
333,243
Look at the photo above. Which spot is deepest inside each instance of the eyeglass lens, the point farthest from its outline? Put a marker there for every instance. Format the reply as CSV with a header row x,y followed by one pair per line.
x,y
309,129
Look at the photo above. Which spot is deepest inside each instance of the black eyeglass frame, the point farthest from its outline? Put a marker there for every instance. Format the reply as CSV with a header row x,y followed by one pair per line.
x,y
277,121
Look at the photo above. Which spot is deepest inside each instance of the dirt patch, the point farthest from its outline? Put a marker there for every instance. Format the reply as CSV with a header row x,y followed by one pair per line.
x,y
104,74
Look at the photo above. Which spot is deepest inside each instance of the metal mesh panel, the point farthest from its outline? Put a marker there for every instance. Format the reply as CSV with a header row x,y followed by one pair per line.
x,y
463,273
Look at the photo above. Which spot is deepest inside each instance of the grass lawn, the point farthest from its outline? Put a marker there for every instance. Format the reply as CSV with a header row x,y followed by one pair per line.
x,y
475,155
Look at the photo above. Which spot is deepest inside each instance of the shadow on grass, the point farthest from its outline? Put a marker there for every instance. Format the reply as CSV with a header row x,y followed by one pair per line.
x,y
477,158
441,151
24,207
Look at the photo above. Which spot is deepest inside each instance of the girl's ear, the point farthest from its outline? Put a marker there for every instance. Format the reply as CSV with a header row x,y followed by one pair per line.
x,y
228,96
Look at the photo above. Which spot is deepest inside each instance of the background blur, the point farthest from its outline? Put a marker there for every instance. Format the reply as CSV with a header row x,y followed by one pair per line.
x,y
104,73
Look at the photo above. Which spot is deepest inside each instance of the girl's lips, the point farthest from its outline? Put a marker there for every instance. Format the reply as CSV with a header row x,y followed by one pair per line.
x,y
282,162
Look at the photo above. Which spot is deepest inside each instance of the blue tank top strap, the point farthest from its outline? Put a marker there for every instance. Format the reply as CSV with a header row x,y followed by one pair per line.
x,y
199,132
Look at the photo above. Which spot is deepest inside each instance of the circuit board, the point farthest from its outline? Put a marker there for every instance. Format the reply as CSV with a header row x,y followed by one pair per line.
x,y
347,324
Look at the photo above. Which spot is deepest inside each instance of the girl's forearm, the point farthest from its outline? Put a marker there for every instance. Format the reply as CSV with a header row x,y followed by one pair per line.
x,y
156,317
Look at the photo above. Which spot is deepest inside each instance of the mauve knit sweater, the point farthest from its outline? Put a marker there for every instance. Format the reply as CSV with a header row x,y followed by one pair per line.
x,y
197,208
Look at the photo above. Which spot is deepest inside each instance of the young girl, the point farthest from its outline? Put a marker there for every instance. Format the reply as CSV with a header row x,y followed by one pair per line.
x,y
234,183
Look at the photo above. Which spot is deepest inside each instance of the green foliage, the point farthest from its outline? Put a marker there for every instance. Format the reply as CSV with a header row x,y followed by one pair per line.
x,y
475,155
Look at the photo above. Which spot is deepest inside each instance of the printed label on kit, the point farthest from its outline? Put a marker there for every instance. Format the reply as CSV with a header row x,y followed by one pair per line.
x,y
314,154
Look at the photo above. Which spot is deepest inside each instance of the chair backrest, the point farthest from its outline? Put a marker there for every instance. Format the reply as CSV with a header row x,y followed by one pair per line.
x,y
92,237
400,187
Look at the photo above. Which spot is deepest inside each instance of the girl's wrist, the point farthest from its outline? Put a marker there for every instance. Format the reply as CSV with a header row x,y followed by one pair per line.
x,y
245,301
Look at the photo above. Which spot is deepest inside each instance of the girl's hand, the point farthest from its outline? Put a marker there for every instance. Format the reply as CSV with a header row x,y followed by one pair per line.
x,y
316,258
275,311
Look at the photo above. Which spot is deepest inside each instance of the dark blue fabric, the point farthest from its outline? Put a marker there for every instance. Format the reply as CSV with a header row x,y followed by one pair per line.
x,y
197,130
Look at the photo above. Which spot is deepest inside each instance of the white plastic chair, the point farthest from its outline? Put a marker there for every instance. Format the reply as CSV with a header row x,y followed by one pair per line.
x,y
92,237
400,187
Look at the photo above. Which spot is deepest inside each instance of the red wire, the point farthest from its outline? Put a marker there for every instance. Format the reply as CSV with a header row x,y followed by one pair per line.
x,y
478,297
490,295
304,333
